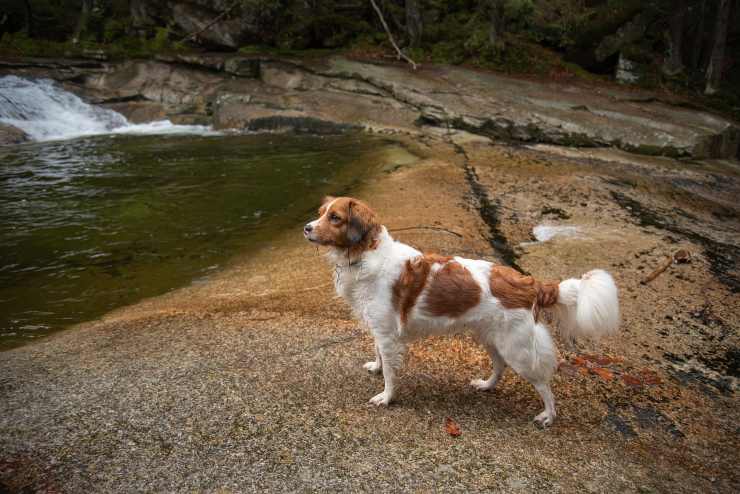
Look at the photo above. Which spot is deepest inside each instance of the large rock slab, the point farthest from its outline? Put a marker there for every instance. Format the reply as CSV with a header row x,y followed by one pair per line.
x,y
370,95
531,111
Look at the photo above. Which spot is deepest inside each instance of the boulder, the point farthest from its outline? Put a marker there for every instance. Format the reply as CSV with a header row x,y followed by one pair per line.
x,y
11,135
625,35
204,19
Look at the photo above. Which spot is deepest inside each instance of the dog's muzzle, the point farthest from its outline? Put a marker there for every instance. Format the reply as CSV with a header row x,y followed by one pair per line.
x,y
307,231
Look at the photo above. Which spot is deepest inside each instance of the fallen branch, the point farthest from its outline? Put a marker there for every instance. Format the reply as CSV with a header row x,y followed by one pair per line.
x,y
679,257
663,266
214,21
401,55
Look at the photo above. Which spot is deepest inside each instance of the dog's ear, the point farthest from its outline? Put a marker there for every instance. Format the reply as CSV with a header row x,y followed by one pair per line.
x,y
360,221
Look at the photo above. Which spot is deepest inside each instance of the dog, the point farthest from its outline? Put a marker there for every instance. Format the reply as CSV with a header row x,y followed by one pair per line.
x,y
402,294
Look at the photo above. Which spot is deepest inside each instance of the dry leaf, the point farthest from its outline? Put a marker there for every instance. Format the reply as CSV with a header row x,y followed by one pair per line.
x,y
631,380
650,377
451,427
603,373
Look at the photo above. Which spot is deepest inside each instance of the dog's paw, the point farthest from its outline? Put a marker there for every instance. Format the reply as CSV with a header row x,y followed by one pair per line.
x,y
483,384
373,367
544,419
380,400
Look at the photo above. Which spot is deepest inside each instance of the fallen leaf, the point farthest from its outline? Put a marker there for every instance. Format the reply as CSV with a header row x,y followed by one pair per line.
x,y
451,427
567,369
605,374
631,380
650,377
602,359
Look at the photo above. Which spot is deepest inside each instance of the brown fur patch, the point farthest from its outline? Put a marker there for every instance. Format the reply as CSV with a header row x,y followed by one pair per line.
x,y
518,291
411,283
452,291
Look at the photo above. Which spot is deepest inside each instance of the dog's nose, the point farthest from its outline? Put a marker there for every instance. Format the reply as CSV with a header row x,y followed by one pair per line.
x,y
307,228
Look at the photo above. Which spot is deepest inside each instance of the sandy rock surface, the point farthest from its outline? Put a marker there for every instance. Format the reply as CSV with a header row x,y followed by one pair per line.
x,y
252,379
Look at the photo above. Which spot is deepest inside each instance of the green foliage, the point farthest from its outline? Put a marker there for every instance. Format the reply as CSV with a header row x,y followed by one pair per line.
x,y
161,39
115,28
20,44
557,23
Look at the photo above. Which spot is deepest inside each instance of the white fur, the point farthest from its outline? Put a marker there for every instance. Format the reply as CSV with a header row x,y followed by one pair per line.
x,y
589,307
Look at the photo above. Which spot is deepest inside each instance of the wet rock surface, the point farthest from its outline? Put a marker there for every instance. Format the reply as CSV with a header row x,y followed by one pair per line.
x,y
360,93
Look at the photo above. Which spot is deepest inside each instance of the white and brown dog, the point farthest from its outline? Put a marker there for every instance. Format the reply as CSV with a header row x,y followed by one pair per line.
x,y
402,294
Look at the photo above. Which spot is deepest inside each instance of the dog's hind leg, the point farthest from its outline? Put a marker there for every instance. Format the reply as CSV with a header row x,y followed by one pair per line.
x,y
498,367
529,350
374,366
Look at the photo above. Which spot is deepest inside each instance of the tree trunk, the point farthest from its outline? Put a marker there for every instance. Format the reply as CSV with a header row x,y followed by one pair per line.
x,y
414,24
496,15
673,64
28,27
698,12
82,22
716,59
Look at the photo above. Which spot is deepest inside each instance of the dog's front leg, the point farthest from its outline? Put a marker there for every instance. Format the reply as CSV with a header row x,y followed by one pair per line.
x,y
374,366
391,356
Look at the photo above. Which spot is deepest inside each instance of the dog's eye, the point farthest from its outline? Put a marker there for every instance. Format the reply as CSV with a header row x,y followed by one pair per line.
x,y
334,218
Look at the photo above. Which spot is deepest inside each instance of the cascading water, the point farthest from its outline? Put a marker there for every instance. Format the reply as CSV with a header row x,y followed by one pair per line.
x,y
45,111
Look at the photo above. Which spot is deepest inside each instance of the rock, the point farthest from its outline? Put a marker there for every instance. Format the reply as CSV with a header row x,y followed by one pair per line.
x,y
11,135
139,111
625,35
289,77
193,19
240,90
196,17
243,67
626,71
159,82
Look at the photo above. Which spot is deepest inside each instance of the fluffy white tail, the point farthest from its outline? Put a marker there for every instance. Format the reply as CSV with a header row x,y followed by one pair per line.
x,y
589,307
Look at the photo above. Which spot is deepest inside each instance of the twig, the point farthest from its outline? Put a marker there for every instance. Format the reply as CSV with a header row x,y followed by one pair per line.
x,y
666,263
390,36
214,21
434,228
679,257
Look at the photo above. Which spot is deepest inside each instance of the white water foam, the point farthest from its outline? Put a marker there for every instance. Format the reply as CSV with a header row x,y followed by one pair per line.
x,y
543,233
45,111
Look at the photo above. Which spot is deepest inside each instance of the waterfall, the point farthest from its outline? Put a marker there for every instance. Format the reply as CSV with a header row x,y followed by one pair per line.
x,y
45,111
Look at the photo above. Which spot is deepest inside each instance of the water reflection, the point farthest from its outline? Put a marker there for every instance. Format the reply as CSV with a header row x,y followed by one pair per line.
x,y
90,224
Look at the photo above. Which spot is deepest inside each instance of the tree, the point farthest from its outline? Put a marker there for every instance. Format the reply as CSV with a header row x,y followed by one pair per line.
x,y
673,63
85,10
496,15
716,59
414,24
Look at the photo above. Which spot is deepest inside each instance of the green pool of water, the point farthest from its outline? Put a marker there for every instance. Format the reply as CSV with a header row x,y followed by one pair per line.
x,y
96,223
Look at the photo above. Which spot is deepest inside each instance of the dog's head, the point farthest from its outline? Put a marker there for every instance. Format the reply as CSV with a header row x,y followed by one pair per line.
x,y
343,223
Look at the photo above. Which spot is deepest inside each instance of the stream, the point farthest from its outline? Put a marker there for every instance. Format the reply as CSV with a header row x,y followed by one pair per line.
x,y
101,219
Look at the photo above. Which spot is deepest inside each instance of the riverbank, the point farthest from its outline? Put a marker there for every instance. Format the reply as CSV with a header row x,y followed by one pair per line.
x,y
252,378
325,94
